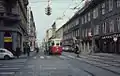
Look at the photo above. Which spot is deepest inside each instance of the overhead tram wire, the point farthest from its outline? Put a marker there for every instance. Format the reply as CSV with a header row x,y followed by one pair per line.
x,y
77,6
69,8
73,8
52,1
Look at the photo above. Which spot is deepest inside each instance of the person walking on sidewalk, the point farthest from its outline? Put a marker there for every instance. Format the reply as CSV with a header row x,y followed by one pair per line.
x,y
77,50
18,52
28,50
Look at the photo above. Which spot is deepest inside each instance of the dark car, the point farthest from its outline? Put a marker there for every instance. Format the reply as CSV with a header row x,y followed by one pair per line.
x,y
67,48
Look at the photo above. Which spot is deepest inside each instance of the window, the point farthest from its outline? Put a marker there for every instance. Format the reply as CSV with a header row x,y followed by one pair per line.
x,y
118,3
77,21
74,23
85,18
78,32
82,20
82,33
95,13
110,6
89,16
96,29
74,33
89,32
111,26
68,27
118,23
104,27
86,32
103,8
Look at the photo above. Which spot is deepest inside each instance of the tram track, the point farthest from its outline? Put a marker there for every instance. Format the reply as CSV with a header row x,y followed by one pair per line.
x,y
85,60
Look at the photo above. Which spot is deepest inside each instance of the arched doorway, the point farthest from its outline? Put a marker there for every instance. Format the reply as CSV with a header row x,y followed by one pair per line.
x,y
8,41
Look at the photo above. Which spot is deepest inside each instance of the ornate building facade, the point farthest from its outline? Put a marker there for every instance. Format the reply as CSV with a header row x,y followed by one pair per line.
x,y
13,24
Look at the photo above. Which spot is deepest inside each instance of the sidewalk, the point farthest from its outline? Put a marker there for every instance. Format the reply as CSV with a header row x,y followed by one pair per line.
x,y
23,56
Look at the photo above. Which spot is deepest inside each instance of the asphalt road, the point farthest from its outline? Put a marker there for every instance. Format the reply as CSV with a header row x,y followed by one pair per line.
x,y
66,64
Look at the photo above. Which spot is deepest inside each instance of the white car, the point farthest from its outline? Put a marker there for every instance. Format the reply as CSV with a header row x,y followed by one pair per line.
x,y
5,54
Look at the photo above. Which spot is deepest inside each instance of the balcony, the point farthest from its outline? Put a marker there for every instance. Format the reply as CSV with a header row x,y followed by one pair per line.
x,y
9,17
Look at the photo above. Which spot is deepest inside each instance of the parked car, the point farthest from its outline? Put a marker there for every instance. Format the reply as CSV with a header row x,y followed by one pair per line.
x,y
68,48
5,54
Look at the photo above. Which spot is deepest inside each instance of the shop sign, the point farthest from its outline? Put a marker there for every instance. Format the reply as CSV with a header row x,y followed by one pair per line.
x,y
7,39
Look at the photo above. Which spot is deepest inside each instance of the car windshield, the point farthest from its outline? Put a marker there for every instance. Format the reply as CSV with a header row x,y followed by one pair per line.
x,y
60,37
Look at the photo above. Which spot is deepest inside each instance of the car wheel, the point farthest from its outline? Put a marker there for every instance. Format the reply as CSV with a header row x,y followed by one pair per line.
x,y
6,57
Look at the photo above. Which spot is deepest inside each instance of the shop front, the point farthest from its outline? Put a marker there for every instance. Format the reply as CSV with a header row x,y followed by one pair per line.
x,y
110,44
10,40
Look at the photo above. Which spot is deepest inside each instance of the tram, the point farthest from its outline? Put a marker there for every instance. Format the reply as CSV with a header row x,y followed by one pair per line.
x,y
55,46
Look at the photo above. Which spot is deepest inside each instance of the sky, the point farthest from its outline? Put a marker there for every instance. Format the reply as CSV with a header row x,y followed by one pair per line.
x,y
60,9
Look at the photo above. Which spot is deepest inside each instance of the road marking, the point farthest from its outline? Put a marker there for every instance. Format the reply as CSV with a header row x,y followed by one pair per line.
x,y
31,66
49,68
48,56
34,57
42,57
9,68
71,56
30,72
8,73
4,66
62,57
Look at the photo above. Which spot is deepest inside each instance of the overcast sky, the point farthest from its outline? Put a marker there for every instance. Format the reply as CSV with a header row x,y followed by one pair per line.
x,y
43,22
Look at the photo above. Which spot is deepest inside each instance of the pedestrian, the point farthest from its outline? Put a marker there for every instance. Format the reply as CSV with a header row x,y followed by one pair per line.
x,y
18,52
77,50
37,50
28,50
24,48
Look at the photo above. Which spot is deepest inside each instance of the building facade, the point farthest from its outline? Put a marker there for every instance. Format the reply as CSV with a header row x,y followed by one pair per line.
x,y
59,33
49,34
98,27
13,23
54,30
31,30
